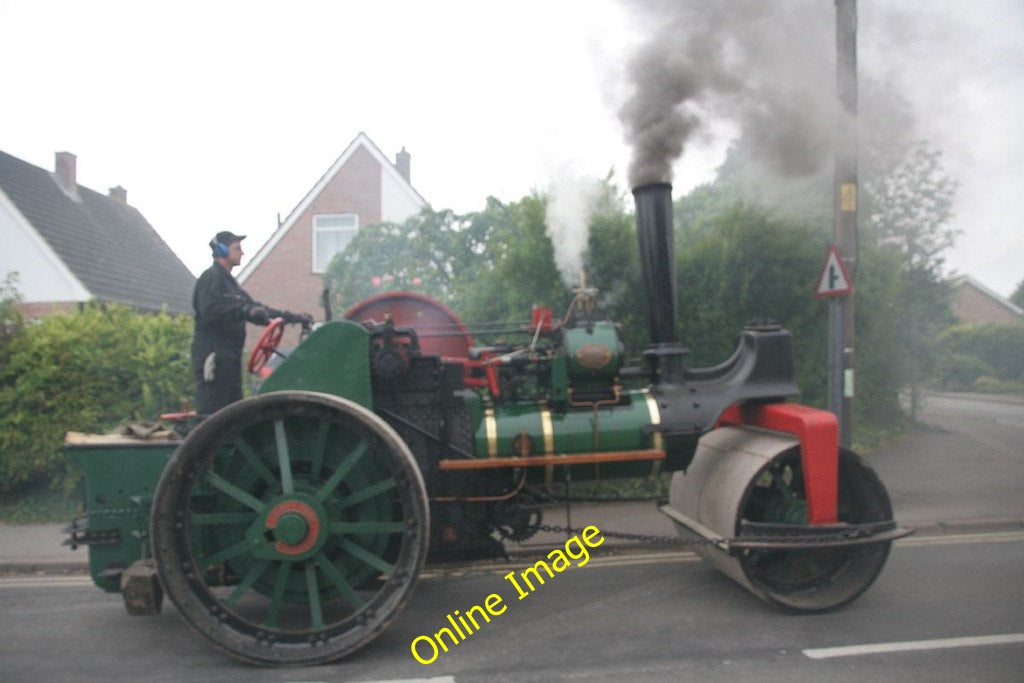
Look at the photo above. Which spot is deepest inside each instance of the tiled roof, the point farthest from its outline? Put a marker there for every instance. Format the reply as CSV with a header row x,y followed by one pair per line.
x,y
108,245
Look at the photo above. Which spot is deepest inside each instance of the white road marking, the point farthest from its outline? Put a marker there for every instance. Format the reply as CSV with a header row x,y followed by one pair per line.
x,y
910,645
37,581
960,539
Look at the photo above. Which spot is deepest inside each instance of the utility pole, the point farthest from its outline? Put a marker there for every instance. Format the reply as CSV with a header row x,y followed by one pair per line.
x,y
841,320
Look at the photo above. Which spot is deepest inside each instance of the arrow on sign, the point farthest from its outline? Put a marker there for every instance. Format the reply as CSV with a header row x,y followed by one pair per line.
x,y
834,280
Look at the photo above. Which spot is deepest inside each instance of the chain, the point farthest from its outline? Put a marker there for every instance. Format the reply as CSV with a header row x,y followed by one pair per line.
x,y
644,538
806,536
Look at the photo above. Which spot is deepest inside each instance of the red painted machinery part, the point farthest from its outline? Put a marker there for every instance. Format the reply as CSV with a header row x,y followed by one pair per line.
x,y
439,329
818,434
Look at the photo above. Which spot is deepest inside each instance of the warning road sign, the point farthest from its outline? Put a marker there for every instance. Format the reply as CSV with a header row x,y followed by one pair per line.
x,y
834,280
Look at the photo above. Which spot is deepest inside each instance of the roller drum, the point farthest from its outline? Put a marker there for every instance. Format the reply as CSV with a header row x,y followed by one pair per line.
x,y
744,473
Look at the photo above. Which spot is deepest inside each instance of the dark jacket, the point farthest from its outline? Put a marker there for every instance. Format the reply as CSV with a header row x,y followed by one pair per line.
x,y
221,310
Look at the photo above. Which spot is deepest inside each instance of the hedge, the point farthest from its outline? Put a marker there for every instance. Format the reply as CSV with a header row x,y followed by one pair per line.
x,y
88,371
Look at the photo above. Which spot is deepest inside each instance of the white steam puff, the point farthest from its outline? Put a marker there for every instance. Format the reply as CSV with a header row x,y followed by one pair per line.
x,y
570,204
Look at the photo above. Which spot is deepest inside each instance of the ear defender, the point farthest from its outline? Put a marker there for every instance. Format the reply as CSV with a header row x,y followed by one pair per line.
x,y
220,250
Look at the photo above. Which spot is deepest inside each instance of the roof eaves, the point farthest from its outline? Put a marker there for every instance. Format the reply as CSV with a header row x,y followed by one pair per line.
x,y
313,193
362,139
967,279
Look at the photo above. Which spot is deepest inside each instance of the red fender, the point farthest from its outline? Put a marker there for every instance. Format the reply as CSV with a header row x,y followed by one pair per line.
x,y
818,433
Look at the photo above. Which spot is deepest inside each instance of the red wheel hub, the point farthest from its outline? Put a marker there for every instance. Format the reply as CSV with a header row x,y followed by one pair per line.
x,y
296,527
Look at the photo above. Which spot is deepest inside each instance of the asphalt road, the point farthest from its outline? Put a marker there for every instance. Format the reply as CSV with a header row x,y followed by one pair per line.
x,y
969,467
652,617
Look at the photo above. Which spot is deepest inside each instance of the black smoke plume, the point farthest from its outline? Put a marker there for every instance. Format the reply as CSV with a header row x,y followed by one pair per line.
x,y
767,66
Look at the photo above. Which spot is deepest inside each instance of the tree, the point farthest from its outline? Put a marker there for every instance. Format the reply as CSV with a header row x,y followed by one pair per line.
x,y
612,263
910,209
1018,295
752,266
429,252
909,214
516,267
10,316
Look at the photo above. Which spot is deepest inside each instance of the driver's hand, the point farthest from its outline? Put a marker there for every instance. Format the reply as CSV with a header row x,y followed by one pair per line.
x,y
258,315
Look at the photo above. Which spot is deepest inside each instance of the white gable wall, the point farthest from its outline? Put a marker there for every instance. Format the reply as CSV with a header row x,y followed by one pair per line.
x,y
397,201
42,276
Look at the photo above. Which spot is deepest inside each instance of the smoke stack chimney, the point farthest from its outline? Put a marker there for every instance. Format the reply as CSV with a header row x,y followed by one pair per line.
x,y
403,162
656,236
119,194
65,169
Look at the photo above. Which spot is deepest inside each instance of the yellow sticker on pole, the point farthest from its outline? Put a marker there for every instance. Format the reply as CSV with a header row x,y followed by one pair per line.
x,y
848,197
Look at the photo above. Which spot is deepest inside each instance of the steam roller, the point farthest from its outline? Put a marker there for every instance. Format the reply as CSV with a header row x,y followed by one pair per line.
x,y
290,528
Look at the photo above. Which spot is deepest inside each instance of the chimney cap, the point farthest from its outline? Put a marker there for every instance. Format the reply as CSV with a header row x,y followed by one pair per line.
x,y
65,172
118,194
403,162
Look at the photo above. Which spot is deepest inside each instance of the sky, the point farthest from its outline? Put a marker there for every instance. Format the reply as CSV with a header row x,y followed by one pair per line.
x,y
222,115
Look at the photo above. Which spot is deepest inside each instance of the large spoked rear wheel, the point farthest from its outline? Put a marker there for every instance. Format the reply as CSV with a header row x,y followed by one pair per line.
x,y
290,528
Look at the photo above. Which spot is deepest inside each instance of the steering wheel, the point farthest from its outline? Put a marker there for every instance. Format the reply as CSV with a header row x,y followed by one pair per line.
x,y
266,345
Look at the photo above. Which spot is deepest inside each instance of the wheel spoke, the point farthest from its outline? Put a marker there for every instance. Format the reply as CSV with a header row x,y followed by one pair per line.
x,y
283,571
226,487
225,554
367,527
339,581
367,493
212,518
284,461
253,459
255,573
365,555
343,469
319,446
316,616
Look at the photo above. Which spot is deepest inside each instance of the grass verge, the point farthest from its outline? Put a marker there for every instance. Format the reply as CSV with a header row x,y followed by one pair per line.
x,y
38,506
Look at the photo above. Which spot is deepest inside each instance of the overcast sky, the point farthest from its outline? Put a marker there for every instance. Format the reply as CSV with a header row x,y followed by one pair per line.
x,y
222,115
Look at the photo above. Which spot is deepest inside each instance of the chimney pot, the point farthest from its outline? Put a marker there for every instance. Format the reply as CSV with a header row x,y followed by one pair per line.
x,y
65,165
119,194
403,162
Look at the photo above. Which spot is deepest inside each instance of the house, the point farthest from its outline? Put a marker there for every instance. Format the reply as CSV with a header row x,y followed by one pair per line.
x,y
361,187
70,244
975,303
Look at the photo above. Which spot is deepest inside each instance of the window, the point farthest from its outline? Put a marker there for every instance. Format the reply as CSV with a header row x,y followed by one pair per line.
x,y
331,234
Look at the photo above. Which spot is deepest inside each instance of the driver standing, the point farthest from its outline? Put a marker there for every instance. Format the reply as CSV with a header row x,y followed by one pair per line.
x,y
221,310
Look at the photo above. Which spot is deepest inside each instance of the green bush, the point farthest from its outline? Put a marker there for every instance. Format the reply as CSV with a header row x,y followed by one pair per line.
x,y
974,351
88,371
958,371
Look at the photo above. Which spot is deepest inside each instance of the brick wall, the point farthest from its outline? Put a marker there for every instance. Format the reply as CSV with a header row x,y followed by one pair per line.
x,y
285,278
35,311
973,306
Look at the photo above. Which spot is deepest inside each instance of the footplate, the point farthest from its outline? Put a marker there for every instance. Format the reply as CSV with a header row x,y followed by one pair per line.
x,y
764,536
80,535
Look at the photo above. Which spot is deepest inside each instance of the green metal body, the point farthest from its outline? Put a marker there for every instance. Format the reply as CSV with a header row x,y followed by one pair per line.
x,y
120,480
580,408
573,406
531,428
334,359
